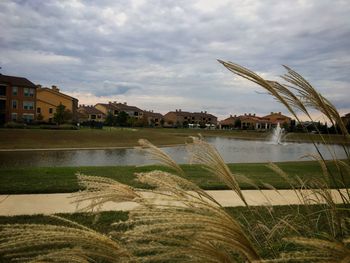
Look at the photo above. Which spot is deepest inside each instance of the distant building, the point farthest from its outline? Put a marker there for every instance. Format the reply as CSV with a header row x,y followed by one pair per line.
x,y
253,122
90,113
49,98
230,122
115,108
17,99
346,119
153,119
179,118
278,117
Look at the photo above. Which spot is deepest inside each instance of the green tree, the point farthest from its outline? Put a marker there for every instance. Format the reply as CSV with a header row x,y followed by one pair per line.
x,y
110,119
62,115
122,119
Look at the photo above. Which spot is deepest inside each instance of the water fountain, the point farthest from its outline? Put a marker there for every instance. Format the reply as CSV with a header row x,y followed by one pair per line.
x,y
277,134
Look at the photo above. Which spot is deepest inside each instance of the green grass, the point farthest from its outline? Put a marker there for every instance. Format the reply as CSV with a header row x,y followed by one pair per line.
x,y
251,218
64,180
119,137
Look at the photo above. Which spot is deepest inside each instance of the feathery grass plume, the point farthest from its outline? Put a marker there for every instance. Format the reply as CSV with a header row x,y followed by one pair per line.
x,y
38,243
205,154
187,227
176,220
159,155
270,86
314,99
100,190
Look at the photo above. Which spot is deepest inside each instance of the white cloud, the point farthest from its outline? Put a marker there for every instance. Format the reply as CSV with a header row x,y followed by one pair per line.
x,y
162,54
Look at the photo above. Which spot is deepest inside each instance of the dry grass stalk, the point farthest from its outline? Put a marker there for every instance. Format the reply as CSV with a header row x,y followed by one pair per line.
x,y
158,155
50,243
193,228
100,190
205,154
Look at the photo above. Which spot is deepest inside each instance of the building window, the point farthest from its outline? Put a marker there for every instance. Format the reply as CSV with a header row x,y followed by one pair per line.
x,y
136,113
14,116
14,91
28,105
99,116
38,110
28,117
2,90
26,92
50,110
50,120
93,117
14,104
31,92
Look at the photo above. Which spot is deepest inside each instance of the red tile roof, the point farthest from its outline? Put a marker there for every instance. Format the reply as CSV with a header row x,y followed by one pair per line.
x,y
16,81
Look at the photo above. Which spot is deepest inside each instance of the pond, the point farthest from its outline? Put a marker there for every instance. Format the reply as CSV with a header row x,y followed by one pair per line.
x,y
232,150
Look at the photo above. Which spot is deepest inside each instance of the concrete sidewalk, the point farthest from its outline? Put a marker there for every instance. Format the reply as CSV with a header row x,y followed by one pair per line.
x,y
11,205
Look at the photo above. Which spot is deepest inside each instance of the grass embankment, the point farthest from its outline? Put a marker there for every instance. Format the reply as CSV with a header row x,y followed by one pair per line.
x,y
64,179
119,137
256,219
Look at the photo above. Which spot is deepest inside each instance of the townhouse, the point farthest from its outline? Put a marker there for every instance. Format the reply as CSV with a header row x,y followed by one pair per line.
x,y
17,99
179,118
115,108
49,98
252,122
154,119
90,113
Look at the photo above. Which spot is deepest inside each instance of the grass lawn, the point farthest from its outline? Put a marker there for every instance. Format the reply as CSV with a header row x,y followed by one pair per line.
x,y
250,218
63,179
119,137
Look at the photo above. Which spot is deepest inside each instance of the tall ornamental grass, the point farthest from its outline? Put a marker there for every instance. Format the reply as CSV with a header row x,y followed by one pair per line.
x,y
178,221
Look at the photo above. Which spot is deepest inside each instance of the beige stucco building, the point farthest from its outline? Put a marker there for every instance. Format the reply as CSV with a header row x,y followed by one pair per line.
x,y
49,98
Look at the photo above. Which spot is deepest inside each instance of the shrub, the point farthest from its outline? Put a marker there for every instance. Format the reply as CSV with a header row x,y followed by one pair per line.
x,y
15,125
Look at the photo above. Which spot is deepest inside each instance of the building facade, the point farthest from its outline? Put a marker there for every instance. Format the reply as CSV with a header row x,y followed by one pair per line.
x,y
115,108
49,98
154,119
278,117
17,99
90,113
253,122
179,118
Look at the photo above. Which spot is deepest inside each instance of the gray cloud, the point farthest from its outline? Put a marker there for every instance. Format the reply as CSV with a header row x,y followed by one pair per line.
x,y
168,49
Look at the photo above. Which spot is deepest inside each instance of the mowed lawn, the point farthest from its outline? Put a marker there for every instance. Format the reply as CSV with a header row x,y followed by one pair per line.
x,y
126,137
64,179
250,218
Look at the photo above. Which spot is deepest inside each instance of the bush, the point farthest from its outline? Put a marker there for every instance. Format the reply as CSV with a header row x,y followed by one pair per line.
x,y
15,125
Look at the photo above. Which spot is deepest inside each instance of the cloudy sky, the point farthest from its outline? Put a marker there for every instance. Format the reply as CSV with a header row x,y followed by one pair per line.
x,y
161,54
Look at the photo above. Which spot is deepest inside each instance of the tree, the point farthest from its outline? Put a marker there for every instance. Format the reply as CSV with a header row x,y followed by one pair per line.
x,y
122,119
62,115
110,119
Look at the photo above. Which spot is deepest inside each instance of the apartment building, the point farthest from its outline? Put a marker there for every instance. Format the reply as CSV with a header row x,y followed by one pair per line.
x,y
252,122
115,108
278,117
17,99
49,98
90,113
154,119
181,118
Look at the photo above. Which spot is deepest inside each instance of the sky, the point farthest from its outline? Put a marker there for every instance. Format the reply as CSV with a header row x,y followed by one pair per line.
x,y
162,55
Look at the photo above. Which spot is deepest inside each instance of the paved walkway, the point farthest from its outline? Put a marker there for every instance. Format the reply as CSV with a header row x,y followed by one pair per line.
x,y
11,205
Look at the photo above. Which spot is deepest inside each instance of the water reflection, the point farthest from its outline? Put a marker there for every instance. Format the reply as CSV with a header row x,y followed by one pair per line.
x,y
232,150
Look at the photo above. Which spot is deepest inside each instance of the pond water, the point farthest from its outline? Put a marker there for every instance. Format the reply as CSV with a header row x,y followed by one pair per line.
x,y
232,150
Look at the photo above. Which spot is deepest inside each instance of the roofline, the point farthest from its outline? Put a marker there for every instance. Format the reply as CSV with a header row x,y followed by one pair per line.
x,y
56,92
